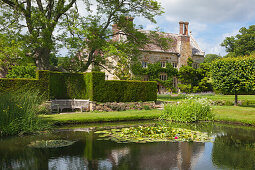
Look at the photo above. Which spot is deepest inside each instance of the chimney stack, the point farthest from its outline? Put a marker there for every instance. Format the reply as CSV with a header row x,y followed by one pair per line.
x,y
186,29
181,27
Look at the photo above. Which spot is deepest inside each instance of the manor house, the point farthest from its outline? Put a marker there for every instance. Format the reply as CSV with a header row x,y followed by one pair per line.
x,y
182,47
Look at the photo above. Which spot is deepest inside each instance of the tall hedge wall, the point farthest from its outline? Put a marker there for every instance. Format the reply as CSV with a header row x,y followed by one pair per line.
x,y
55,85
122,91
68,86
41,83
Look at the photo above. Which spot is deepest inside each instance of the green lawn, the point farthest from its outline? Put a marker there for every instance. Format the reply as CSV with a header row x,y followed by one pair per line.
x,y
88,117
251,98
236,114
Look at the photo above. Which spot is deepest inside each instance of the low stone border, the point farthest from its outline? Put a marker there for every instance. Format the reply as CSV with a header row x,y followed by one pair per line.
x,y
114,106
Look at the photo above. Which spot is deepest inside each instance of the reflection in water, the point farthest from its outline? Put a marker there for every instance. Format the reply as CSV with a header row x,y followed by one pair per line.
x,y
231,150
67,162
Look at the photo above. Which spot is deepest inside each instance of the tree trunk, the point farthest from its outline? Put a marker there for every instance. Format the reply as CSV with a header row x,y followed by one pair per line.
x,y
43,58
236,99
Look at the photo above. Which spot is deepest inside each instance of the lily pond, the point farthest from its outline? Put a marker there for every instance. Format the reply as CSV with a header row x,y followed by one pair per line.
x,y
133,145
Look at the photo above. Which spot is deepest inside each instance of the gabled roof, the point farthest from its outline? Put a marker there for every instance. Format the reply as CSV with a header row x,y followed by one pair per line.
x,y
196,50
175,46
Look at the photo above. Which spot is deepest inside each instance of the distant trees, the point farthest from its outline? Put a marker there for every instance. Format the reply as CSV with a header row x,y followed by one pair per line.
x,y
209,58
242,44
234,75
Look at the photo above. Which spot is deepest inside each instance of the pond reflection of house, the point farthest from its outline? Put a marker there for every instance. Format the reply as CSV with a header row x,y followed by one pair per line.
x,y
169,155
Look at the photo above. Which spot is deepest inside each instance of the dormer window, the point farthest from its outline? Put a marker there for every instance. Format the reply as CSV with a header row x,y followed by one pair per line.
x,y
144,64
163,64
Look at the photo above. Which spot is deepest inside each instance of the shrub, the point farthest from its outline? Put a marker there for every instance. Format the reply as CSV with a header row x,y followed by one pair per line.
x,y
21,72
18,112
122,91
188,110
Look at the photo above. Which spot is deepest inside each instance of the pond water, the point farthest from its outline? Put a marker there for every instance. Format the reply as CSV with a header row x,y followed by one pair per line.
x,y
233,147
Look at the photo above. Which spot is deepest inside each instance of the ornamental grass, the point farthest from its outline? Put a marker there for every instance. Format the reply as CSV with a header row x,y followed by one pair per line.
x,y
189,110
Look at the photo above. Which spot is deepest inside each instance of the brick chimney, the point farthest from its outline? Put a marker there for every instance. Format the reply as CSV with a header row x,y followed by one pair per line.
x,y
186,29
181,23
185,47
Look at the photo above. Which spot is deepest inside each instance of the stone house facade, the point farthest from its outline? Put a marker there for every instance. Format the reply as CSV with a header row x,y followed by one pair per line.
x,y
181,48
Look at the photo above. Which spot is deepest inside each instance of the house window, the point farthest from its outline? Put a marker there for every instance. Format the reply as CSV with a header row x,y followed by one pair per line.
x,y
174,64
163,64
195,65
144,64
163,77
106,77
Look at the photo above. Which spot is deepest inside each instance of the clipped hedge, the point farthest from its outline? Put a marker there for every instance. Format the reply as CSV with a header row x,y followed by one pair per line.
x,y
68,86
122,91
92,86
234,75
41,83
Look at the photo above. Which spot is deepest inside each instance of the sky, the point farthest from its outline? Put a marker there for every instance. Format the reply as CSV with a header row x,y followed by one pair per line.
x,y
210,21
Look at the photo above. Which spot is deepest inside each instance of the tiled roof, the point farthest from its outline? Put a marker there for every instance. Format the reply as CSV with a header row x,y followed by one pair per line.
x,y
174,46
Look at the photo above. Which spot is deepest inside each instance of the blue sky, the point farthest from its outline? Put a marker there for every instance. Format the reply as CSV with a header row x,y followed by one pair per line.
x,y
210,20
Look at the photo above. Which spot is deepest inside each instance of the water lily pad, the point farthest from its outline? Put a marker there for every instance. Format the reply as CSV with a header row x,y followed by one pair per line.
x,y
50,143
143,134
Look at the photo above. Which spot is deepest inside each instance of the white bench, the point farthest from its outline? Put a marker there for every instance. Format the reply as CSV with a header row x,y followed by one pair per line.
x,y
60,104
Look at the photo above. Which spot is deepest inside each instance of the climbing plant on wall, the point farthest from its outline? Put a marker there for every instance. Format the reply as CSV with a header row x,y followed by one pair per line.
x,y
153,72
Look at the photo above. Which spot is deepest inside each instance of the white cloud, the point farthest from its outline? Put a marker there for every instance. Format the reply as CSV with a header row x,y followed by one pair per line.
x,y
208,11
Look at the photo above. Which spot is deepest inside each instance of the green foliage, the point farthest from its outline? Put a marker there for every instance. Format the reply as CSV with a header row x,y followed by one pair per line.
x,y
188,110
190,61
18,112
41,83
122,91
55,85
144,134
21,72
10,52
68,86
234,75
154,70
242,44
36,22
194,80
209,58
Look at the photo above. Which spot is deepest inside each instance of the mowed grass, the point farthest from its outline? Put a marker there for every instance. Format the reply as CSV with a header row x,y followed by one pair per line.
x,y
251,98
230,97
90,117
235,114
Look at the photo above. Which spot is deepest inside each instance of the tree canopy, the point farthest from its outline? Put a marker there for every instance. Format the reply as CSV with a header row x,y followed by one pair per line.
x,y
209,58
242,44
47,26
234,75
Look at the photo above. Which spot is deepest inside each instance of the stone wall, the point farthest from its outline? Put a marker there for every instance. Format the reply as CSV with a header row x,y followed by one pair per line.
x,y
114,106
185,50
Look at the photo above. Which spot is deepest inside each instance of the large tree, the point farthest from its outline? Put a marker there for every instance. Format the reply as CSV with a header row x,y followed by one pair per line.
x,y
45,24
242,44
234,75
